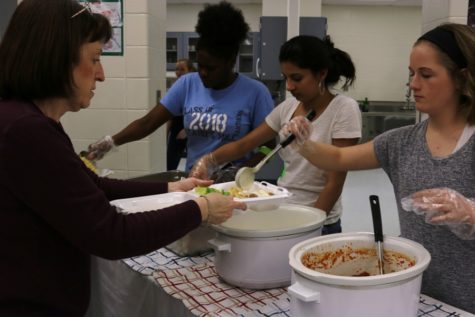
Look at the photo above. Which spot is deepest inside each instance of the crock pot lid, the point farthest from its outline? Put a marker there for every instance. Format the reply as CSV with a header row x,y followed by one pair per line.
x,y
285,220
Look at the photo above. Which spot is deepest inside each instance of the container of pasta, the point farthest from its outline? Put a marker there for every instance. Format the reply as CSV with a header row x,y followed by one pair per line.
x,y
261,196
342,268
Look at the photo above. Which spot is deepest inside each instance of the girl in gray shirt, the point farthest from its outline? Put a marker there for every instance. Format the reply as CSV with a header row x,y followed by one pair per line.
x,y
436,155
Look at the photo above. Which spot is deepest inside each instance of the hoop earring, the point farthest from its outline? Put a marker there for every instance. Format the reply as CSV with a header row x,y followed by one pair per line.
x,y
321,88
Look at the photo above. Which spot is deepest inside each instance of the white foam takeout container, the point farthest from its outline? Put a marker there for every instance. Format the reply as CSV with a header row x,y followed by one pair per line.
x,y
280,194
194,242
152,202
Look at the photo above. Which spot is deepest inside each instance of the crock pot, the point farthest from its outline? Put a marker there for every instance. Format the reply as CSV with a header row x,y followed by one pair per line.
x,y
251,248
395,294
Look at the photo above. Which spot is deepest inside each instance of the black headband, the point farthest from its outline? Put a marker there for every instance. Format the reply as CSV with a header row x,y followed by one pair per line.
x,y
445,40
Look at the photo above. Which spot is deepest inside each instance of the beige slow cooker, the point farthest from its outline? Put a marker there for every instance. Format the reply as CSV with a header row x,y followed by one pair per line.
x,y
251,248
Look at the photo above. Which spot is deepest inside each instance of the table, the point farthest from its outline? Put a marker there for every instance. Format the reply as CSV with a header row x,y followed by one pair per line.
x,y
164,284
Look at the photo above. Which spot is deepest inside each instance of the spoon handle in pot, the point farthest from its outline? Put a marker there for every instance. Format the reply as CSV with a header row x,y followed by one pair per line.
x,y
310,115
376,213
378,231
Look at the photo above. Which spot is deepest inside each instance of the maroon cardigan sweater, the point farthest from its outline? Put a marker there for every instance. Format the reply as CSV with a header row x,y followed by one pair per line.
x,y
55,213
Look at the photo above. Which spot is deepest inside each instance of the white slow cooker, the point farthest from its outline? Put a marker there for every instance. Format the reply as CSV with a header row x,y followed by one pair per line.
x,y
252,246
395,294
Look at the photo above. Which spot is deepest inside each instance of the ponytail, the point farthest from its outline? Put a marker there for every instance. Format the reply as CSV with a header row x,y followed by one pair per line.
x,y
341,66
315,54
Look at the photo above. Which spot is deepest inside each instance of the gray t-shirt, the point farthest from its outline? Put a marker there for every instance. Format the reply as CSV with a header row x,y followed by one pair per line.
x,y
404,155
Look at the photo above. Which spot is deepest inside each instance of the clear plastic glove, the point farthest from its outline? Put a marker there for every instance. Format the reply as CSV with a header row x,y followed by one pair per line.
x,y
98,149
187,184
220,208
301,128
444,206
204,167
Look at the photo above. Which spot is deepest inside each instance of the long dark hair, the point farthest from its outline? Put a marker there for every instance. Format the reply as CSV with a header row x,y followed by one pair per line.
x,y
42,45
222,29
312,53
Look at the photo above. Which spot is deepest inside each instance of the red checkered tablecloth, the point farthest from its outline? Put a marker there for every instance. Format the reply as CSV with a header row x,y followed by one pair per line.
x,y
205,294
194,281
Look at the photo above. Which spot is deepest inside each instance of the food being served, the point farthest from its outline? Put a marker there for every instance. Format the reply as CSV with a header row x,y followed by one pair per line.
x,y
241,193
349,261
206,190
235,192
87,162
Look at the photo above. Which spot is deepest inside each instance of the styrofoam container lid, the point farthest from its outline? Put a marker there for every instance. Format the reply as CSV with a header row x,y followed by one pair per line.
x,y
286,219
152,202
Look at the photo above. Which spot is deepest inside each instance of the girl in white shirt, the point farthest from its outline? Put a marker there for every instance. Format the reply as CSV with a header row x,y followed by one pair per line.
x,y
311,67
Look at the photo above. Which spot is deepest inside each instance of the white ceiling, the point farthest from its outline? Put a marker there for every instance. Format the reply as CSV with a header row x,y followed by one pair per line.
x,y
335,2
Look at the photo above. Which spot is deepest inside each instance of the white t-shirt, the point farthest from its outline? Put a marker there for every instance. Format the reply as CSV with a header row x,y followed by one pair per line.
x,y
340,120
466,134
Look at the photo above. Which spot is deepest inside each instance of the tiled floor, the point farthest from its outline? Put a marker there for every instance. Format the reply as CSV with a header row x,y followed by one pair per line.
x,y
358,187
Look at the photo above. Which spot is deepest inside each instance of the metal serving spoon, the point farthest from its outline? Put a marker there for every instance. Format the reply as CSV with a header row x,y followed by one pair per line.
x,y
245,175
378,231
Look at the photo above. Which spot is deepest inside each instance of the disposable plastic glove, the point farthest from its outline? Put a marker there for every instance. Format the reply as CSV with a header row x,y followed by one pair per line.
x,y
187,184
444,206
204,167
301,128
98,149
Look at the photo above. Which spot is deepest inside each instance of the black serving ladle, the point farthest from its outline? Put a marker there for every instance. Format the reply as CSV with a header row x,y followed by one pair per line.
x,y
378,230
245,175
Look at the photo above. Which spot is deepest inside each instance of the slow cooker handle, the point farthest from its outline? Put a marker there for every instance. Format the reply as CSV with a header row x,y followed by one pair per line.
x,y
219,245
303,293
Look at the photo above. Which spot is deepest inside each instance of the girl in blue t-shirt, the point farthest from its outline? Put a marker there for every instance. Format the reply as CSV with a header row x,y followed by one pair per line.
x,y
217,104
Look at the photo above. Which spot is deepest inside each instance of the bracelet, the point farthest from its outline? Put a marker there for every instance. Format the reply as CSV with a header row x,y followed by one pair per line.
x,y
207,206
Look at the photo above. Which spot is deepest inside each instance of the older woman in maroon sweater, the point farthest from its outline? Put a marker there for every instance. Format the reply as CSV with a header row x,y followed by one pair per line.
x,y
55,212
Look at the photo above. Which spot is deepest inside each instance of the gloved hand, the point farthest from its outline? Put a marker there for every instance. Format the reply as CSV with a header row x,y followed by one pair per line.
x,y
220,208
187,184
98,149
204,167
444,206
301,128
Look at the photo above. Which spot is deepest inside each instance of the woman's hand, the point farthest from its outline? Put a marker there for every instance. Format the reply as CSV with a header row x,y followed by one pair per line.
x,y
444,206
216,208
188,184
204,167
98,149
301,128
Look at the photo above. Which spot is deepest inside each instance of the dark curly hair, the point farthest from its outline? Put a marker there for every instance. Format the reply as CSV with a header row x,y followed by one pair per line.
x,y
222,29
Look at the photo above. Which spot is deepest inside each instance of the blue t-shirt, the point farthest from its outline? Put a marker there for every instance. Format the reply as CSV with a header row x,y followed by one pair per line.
x,y
212,117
